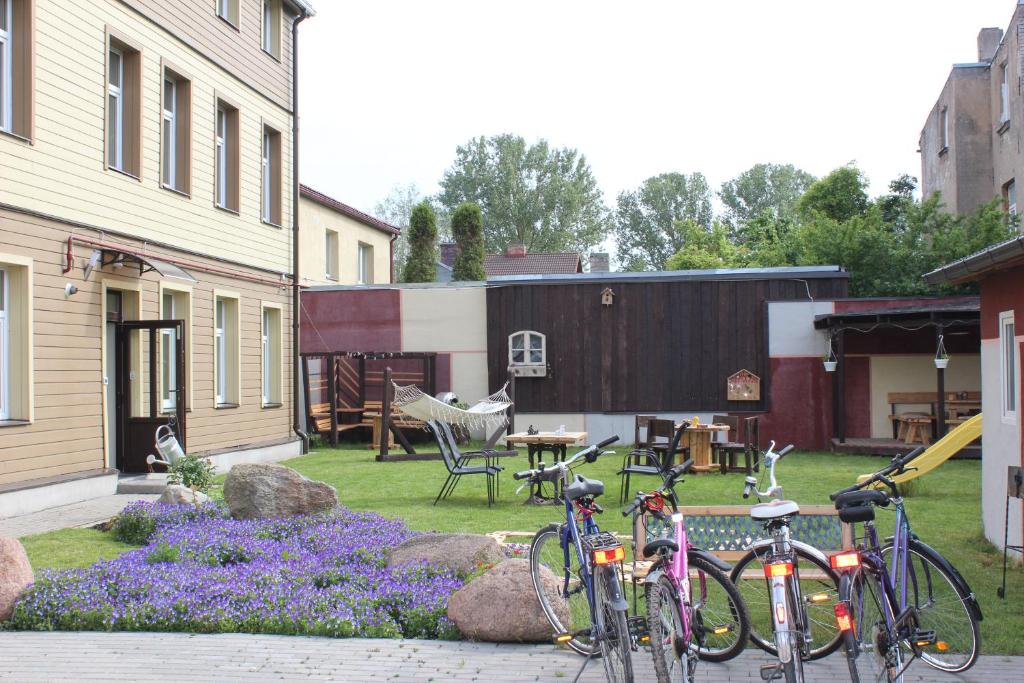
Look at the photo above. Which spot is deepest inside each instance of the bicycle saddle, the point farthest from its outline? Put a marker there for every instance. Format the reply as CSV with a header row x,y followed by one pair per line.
x,y
774,510
581,487
655,546
859,506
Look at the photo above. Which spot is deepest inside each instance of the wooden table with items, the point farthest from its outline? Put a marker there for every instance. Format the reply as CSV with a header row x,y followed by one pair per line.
x,y
698,439
555,443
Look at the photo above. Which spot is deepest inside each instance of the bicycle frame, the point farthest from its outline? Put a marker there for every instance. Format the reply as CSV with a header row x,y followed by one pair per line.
x,y
571,534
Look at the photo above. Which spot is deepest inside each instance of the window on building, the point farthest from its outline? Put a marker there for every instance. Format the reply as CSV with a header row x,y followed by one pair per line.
x,y
365,265
174,305
1010,197
176,133
16,50
227,160
272,27
945,128
331,255
1008,364
15,338
1004,92
226,350
527,348
124,108
271,342
228,11
271,176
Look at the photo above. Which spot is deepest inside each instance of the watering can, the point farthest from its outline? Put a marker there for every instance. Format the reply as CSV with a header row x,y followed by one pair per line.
x,y
167,446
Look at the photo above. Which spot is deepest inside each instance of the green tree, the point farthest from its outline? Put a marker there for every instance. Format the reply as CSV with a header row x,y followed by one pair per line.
x,y
840,195
468,231
396,209
705,249
763,191
546,198
646,219
421,265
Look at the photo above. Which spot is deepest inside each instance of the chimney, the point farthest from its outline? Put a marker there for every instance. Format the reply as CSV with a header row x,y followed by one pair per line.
x,y
988,43
599,262
449,251
515,250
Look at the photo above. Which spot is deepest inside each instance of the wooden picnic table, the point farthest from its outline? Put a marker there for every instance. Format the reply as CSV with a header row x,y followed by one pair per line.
x,y
698,439
554,442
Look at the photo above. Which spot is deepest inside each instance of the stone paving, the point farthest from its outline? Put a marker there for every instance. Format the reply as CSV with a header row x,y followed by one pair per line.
x,y
86,513
30,657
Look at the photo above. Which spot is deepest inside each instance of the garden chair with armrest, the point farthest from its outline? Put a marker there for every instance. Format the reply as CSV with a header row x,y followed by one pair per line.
x,y
458,466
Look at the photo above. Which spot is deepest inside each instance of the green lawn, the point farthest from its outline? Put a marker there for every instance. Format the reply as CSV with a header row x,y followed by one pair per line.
x,y
944,509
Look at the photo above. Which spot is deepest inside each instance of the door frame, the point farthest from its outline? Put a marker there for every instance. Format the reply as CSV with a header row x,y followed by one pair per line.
x,y
131,309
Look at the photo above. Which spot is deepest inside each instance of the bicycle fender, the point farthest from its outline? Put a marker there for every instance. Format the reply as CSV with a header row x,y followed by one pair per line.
x,y
617,601
710,558
939,560
653,576
809,549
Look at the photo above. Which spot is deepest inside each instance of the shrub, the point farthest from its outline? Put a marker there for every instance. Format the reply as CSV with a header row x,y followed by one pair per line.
x,y
193,471
468,230
139,521
421,264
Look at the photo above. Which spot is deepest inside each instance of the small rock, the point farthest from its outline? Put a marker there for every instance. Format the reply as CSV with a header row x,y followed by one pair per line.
x,y
254,491
461,553
182,495
15,574
500,606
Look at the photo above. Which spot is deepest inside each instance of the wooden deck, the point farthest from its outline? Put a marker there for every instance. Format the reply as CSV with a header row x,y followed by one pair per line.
x,y
890,447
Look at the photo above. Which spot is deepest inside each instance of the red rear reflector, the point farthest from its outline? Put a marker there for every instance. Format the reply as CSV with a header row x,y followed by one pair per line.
x,y
845,561
843,619
778,569
609,555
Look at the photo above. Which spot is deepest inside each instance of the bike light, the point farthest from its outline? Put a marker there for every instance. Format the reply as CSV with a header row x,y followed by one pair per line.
x,y
777,569
721,630
923,643
941,645
843,619
780,613
562,638
609,555
845,561
819,598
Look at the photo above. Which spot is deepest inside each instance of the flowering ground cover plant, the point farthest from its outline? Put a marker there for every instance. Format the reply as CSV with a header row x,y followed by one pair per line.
x,y
203,572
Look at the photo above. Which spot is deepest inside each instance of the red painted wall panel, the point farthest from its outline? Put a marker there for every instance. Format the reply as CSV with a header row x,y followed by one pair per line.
x,y
351,320
1001,292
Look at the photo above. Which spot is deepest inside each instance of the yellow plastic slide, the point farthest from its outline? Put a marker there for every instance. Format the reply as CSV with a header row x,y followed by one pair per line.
x,y
940,451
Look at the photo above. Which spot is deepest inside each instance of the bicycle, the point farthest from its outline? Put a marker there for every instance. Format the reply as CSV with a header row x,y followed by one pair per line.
x,y
577,574
899,598
799,585
683,622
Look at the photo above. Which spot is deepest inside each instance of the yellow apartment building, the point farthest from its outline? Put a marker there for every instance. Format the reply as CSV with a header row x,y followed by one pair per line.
x,y
341,245
147,186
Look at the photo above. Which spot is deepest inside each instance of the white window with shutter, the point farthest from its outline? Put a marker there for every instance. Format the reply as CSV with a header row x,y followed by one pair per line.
x,y
527,354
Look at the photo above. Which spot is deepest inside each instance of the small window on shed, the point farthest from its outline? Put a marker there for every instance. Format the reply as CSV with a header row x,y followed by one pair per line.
x,y
527,348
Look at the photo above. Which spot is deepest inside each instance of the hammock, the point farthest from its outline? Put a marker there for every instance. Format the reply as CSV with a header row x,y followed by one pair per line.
x,y
489,413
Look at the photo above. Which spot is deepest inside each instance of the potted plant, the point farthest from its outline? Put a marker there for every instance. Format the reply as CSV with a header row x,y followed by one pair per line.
x,y
941,357
829,360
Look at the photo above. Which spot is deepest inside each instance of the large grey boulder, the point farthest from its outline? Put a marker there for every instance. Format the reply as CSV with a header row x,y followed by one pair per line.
x,y
461,553
500,606
15,574
257,491
182,495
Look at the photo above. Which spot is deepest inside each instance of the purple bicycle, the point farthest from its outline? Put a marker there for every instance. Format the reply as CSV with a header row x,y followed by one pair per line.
x,y
688,617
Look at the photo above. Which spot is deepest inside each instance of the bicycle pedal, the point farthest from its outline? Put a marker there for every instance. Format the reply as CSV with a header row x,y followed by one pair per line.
x,y
924,638
771,672
638,629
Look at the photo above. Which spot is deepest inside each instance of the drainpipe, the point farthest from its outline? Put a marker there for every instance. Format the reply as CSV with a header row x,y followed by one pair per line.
x,y
297,402
391,246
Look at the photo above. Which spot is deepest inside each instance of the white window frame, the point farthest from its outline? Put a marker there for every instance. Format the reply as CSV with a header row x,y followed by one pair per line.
x,y
1011,197
220,350
527,336
266,356
945,128
1009,370
222,145
268,27
1004,93
170,134
224,10
331,254
117,92
168,353
7,69
271,355
364,272
5,346
267,177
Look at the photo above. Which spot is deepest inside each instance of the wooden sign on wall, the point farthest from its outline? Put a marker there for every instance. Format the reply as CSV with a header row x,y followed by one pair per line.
x,y
744,386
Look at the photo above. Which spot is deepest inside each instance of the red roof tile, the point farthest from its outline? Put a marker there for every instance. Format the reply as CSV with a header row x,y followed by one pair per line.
x,y
332,203
533,264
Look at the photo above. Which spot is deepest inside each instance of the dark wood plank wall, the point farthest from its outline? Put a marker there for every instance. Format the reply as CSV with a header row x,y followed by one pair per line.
x,y
661,346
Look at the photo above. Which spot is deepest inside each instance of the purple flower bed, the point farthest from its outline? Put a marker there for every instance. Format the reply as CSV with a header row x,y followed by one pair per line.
x,y
203,572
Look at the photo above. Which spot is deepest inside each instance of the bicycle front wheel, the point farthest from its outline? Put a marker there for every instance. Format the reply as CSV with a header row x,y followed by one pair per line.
x,y
669,644
721,623
612,627
942,604
819,586
558,581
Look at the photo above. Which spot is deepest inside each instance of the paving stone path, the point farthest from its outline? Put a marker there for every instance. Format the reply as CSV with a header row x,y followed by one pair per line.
x,y
86,513
30,657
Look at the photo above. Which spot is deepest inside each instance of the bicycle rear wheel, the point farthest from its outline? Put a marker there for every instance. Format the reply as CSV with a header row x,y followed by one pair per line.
x,y
669,645
942,606
816,579
557,580
875,657
612,626
721,622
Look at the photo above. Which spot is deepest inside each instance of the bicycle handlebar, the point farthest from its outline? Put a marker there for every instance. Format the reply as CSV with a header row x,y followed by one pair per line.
x,y
554,471
669,481
897,465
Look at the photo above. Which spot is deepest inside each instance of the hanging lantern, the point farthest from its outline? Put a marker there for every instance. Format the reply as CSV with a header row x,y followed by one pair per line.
x,y
941,357
829,359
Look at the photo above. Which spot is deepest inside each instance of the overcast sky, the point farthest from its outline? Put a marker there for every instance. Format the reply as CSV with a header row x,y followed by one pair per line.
x,y
388,89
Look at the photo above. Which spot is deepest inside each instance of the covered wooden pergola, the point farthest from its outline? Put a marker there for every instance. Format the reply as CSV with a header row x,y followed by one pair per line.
x,y
945,319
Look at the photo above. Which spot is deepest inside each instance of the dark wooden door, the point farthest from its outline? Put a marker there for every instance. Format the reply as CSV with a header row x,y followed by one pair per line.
x,y
150,389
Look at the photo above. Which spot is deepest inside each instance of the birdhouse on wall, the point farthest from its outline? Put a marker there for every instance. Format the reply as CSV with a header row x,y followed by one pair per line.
x,y
607,296
744,386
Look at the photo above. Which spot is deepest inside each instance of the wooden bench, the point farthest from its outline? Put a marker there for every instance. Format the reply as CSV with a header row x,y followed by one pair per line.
x,y
320,419
373,419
